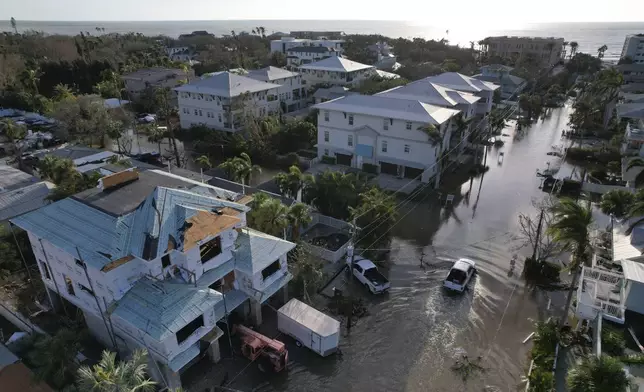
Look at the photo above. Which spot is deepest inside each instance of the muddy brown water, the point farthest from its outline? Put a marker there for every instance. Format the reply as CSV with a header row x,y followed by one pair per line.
x,y
412,335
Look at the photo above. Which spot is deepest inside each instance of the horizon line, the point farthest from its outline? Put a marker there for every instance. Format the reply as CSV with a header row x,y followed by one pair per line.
x,y
289,19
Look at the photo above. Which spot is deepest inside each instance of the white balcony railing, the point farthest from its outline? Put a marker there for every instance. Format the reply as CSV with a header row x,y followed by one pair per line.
x,y
601,291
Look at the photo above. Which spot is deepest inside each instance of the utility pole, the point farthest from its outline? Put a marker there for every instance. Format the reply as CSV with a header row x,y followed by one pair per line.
x,y
537,238
350,251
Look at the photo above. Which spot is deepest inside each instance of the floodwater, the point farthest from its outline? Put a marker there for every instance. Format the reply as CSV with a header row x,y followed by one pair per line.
x,y
412,336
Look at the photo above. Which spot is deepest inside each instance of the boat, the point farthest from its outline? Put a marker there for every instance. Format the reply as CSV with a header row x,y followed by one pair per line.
x,y
460,275
501,155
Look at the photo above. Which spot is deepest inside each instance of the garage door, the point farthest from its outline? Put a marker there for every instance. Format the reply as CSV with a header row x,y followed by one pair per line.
x,y
412,172
343,159
388,168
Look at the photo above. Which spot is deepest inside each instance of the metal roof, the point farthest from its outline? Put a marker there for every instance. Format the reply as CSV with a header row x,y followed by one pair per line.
x,y
388,107
310,317
226,84
71,152
623,245
142,229
161,308
12,178
310,49
631,110
20,201
457,81
255,250
338,64
6,356
269,74
633,270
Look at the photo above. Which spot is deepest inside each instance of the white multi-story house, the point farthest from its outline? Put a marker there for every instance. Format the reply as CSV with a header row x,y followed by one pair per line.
x,y
180,53
219,101
435,94
155,261
402,137
634,48
300,55
337,71
460,82
291,94
285,43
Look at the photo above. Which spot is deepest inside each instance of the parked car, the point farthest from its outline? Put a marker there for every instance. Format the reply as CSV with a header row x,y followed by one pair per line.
x,y
460,275
367,273
309,327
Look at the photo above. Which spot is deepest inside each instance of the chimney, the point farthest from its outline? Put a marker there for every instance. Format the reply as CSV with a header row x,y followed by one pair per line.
x,y
117,179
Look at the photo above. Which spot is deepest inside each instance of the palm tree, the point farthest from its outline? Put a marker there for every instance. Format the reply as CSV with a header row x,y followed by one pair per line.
x,y
616,202
15,133
204,161
53,359
155,135
570,226
299,215
268,215
290,183
31,78
573,48
241,168
56,169
110,376
601,50
462,125
633,163
62,92
14,25
603,374
307,270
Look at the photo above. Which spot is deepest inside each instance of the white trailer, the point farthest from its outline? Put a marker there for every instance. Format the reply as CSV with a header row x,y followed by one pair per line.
x,y
309,326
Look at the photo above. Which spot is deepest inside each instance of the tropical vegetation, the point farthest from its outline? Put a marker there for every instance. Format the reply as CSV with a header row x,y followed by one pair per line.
x,y
603,374
110,375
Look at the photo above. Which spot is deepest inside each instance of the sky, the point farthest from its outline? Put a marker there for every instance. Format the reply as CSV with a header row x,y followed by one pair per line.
x,y
512,13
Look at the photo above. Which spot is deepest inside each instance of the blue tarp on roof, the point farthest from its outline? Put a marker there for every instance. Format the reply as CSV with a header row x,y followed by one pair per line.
x,y
162,308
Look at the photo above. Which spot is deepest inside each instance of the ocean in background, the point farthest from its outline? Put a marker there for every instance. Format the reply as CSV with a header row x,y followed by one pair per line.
x,y
590,36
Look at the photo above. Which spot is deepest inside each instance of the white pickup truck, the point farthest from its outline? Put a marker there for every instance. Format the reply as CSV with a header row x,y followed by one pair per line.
x,y
367,273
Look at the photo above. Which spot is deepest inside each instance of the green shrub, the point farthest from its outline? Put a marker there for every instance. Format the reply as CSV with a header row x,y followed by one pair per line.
x,y
370,168
613,340
328,159
541,380
310,154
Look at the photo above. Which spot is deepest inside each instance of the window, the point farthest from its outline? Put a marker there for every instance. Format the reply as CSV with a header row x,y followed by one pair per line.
x,y
210,249
350,140
326,136
384,146
271,269
408,125
326,152
385,124
165,261
219,116
79,263
351,119
70,285
45,270
326,116
200,113
196,112
85,289
407,148
185,332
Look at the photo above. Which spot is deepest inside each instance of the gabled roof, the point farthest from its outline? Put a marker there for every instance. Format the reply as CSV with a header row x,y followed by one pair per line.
x,y
255,250
161,308
431,93
338,64
12,178
460,82
270,73
503,79
20,201
382,106
226,84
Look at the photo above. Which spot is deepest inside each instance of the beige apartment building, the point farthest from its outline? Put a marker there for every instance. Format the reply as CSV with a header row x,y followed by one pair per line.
x,y
546,50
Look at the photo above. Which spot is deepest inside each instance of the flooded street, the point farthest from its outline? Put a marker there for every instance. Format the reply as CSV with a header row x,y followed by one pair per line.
x,y
412,335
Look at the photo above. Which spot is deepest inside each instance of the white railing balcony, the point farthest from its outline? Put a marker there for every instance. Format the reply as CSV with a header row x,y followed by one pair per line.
x,y
601,291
